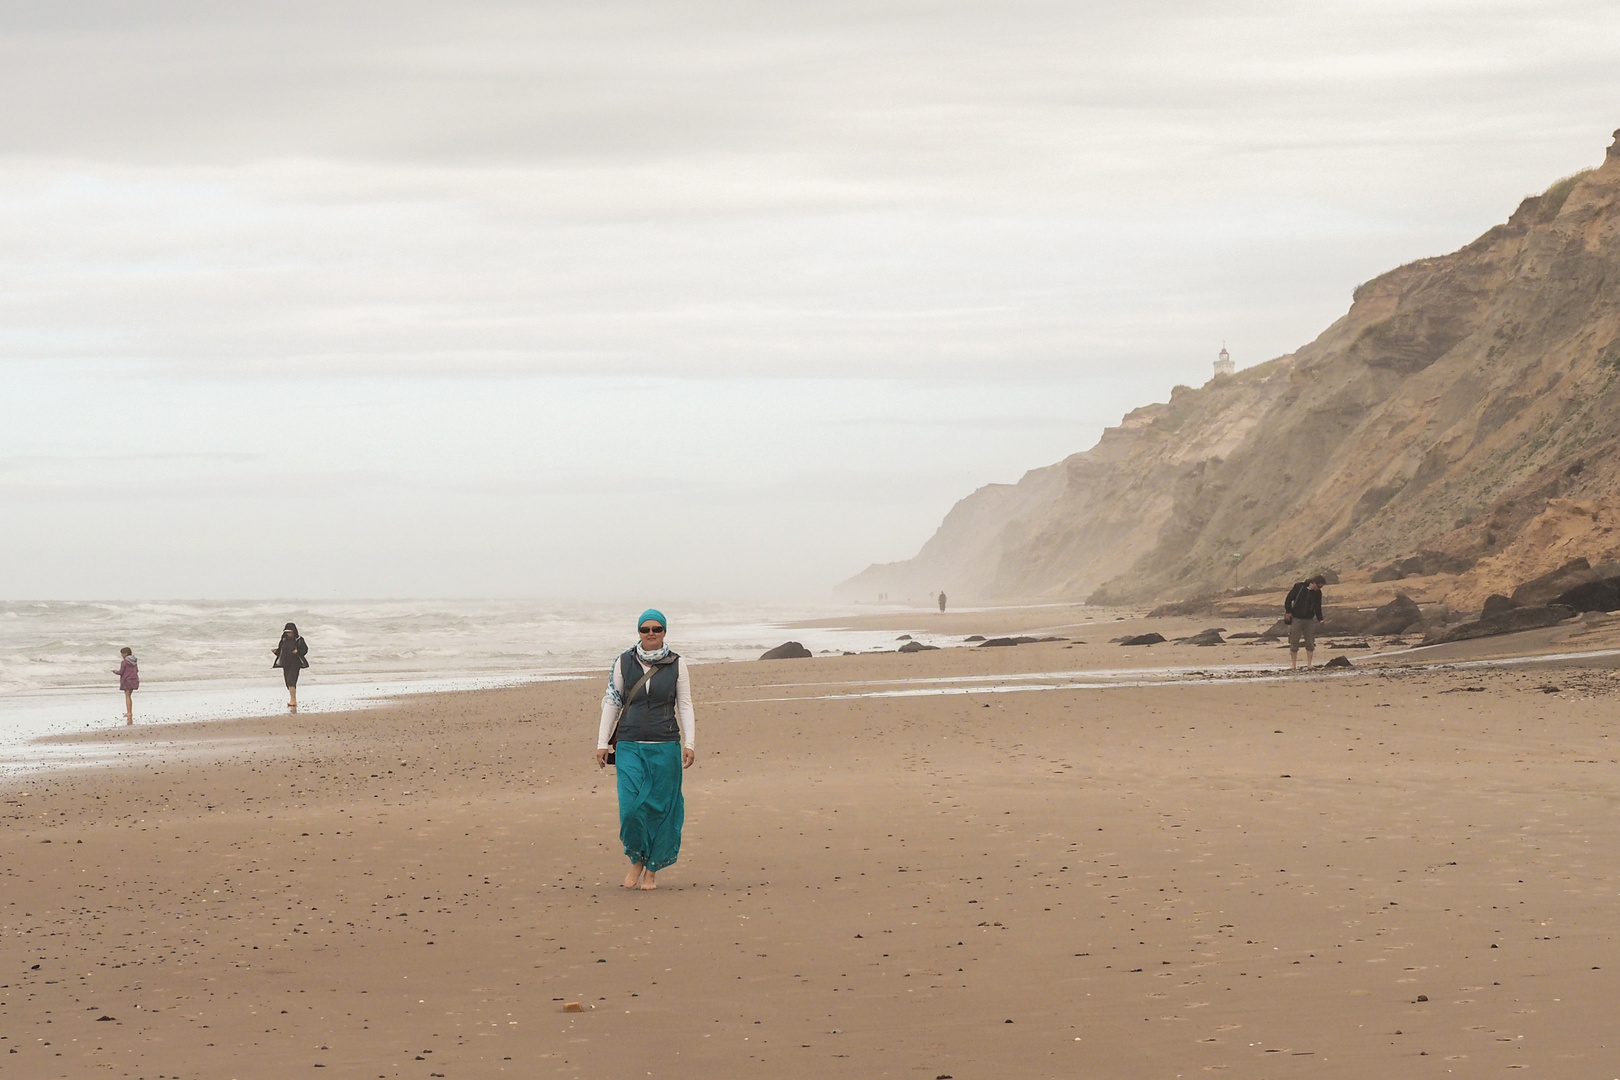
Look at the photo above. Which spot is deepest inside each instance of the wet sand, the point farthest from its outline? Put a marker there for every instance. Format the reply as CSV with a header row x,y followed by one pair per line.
x,y
1216,876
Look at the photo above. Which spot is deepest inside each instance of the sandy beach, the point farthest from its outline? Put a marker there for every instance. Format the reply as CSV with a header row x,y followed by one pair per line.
x,y
1401,870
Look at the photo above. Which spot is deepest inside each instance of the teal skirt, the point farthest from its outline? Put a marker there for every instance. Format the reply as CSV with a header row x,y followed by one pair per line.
x,y
651,809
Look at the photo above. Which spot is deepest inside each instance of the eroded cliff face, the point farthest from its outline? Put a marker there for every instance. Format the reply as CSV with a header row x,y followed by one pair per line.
x,y
1457,398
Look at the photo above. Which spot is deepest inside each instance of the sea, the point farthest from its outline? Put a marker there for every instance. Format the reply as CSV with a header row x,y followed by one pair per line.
x,y
205,660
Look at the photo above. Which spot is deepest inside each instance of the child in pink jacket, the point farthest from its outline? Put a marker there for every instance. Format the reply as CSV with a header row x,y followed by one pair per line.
x,y
129,680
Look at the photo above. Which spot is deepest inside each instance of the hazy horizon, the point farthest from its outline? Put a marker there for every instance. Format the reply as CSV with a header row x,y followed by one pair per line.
x,y
540,301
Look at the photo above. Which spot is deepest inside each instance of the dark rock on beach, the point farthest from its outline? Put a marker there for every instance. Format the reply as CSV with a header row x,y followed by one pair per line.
x,y
1496,604
1510,622
1339,661
917,646
1143,639
1548,587
788,650
997,642
1198,605
1211,636
1421,565
1601,595
1343,622
974,637
1394,617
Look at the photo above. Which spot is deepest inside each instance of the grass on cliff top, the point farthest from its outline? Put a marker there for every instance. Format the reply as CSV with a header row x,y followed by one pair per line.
x,y
1552,200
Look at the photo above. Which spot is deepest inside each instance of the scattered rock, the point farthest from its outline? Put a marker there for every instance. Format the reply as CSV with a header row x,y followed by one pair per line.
x,y
1143,639
1548,587
1394,617
1198,605
788,650
974,637
1510,622
1342,622
573,1006
1495,604
1338,661
1600,595
1211,636
917,646
1243,634
1003,641
1350,645
998,643
903,637
1423,564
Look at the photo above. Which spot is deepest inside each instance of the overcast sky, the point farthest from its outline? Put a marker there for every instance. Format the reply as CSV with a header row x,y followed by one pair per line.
x,y
726,299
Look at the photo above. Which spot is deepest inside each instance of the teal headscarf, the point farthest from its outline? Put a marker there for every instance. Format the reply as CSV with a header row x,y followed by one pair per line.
x,y
655,615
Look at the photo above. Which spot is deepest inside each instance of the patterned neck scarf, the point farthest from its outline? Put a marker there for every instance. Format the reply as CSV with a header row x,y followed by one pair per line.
x,y
651,657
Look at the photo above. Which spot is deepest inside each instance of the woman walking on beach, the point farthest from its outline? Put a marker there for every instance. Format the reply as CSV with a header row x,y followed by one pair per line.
x,y
648,733
129,680
289,653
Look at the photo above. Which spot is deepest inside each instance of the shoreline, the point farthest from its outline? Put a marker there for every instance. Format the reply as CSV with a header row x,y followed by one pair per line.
x,y
1094,667
1393,868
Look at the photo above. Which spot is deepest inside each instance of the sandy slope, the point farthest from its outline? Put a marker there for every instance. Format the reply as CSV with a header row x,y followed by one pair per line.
x,y
1247,878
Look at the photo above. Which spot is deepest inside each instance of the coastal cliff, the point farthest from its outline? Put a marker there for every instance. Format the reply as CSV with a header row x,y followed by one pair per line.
x,y
1462,418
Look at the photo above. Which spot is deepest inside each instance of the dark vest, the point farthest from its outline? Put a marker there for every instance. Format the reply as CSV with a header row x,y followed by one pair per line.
x,y
651,716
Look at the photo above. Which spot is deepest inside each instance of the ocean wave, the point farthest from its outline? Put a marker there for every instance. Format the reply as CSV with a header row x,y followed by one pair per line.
x,y
47,645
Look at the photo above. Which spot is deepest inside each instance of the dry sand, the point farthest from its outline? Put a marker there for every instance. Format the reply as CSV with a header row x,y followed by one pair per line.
x,y
1225,876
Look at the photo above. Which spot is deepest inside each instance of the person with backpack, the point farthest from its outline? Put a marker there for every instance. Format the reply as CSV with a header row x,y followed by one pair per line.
x,y
648,734
1302,610
291,657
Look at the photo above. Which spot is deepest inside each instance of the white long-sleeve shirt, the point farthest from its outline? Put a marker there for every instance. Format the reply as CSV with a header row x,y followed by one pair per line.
x,y
613,697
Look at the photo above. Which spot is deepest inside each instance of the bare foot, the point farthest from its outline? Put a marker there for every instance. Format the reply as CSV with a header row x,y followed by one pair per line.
x,y
648,880
632,880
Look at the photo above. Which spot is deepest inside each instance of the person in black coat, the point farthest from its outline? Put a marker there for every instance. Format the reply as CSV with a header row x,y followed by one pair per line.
x,y
1302,610
290,653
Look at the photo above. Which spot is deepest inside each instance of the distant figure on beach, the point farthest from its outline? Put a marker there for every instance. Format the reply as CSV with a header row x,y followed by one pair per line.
x,y
290,653
129,680
1302,610
942,603
648,734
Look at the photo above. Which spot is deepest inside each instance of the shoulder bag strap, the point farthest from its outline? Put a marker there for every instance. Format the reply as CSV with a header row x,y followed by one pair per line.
x,y
646,677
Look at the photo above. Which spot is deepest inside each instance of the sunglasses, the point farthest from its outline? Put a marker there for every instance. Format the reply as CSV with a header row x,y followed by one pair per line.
x,y
652,629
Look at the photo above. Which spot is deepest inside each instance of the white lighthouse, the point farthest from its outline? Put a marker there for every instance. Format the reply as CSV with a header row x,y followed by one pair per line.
x,y
1223,363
